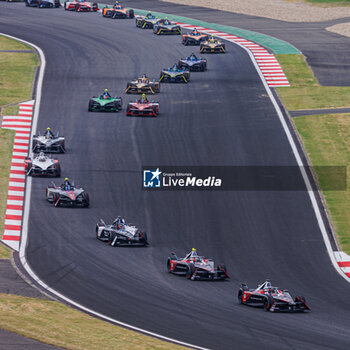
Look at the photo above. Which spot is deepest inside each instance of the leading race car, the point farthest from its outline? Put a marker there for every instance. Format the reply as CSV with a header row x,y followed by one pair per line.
x,y
120,233
67,195
193,63
105,103
196,267
164,26
143,85
193,38
271,298
147,22
80,6
174,74
117,11
143,107
43,3
42,165
48,143
212,45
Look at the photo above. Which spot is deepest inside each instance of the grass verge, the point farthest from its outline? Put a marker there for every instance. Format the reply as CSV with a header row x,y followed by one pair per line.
x,y
329,3
326,139
305,91
54,323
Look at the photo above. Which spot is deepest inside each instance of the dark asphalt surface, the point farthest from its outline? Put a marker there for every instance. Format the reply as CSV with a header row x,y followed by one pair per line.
x,y
223,117
327,53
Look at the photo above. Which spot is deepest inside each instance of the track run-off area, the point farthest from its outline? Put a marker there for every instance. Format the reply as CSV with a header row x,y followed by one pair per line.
x,y
224,116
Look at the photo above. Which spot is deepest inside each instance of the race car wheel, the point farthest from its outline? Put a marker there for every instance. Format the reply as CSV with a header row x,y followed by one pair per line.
x,y
240,296
62,146
58,170
168,265
190,271
111,239
86,198
77,7
94,6
222,267
268,302
56,199
144,235
300,298
131,14
35,143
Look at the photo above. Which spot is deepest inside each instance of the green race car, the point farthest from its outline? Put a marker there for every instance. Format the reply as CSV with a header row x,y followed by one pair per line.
x,y
105,103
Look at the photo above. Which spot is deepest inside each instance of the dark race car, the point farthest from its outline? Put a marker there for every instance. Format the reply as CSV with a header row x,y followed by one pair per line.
x,y
143,108
80,6
212,45
117,11
67,195
193,38
147,22
143,85
43,3
174,74
42,165
105,103
48,143
164,26
271,298
120,233
193,63
196,267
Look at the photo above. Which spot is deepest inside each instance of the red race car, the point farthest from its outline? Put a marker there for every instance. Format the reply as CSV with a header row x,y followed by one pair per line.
x,y
143,107
80,6
271,298
195,267
193,38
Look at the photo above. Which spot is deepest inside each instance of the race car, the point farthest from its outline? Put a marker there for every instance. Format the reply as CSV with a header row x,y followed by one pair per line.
x,y
120,233
174,74
117,11
271,298
143,85
143,107
193,63
43,3
67,195
212,45
48,143
193,38
105,103
147,22
80,6
164,26
42,165
196,267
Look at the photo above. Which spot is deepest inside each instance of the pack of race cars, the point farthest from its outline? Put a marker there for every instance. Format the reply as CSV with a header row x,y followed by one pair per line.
x,y
119,233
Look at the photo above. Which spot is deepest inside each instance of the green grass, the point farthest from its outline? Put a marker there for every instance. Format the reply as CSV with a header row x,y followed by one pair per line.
x,y
54,323
327,141
11,110
305,91
6,146
10,44
329,2
16,76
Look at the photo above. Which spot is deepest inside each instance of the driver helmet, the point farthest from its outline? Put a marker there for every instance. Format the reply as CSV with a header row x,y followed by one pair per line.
x,y
48,132
41,156
192,57
106,94
143,98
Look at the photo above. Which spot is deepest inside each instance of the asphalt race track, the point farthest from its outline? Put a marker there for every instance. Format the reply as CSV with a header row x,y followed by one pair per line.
x,y
222,117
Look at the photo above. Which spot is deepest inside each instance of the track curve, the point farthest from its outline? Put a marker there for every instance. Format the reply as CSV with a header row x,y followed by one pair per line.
x,y
223,117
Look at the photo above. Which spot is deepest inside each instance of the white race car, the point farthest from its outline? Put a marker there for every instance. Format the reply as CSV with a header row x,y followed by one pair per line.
x,y
42,165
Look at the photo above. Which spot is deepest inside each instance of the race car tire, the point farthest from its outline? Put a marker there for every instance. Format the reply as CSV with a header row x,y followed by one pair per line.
x,y
300,298
94,6
56,199
131,14
111,239
90,109
77,6
268,302
35,143
240,296
190,269
144,235
168,265
29,166
65,6
62,146
87,199
58,170
222,267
